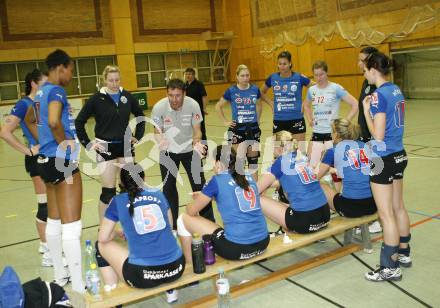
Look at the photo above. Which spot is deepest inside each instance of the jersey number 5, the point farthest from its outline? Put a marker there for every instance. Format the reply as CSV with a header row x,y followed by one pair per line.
x,y
148,218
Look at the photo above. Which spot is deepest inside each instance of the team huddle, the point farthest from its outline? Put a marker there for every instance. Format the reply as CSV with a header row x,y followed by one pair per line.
x,y
351,169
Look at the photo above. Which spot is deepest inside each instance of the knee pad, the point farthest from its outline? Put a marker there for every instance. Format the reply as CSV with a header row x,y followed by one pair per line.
x,y
253,160
181,229
53,227
107,194
71,231
100,259
42,212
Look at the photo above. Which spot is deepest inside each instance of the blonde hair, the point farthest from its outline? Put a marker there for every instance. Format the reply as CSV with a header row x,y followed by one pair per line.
x,y
110,69
286,141
345,130
240,68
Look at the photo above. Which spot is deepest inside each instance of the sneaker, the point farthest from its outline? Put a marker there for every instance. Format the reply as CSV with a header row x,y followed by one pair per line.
x,y
275,196
43,248
172,296
46,260
384,274
375,227
63,281
404,261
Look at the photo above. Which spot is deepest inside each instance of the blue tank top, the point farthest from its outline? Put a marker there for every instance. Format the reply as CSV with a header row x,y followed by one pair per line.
x,y
287,93
350,158
48,145
243,103
19,110
299,183
388,99
148,232
243,219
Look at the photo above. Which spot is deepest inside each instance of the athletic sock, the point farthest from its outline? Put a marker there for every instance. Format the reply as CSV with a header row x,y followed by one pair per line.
x,y
54,243
72,251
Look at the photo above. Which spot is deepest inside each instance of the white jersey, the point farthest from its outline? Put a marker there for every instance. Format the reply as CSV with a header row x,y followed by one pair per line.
x,y
325,103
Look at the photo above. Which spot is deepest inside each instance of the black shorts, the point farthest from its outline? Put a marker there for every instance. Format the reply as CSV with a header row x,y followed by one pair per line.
x,y
309,221
393,168
113,151
30,164
233,251
321,137
54,170
143,277
297,126
353,208
244,132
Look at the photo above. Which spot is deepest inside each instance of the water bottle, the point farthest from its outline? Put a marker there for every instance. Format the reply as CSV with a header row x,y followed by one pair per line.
x,y
222,284
197,254
90,259
95,282
208,249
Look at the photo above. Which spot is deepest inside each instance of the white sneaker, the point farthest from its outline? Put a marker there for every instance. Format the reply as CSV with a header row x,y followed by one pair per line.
x,y
46,260
172,296
384,273
43,248
63,281
404,261
375,227
275,195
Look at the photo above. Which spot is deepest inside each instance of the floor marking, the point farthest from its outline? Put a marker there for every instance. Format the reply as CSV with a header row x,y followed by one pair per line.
x,y
11,216
424,214
88,200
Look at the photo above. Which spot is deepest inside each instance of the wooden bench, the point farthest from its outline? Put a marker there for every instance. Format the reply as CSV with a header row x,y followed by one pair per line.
x,y
124,294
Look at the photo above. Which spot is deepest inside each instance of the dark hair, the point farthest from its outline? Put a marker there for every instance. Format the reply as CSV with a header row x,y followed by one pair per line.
x,y
287,55
176,83
368,50
56,58
228,156
190,70
320,64
34,76
130,174
380,62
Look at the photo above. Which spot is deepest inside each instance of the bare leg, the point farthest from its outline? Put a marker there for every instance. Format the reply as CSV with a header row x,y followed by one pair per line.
x,y
115,254
383,196
40,189
275,211
195,224
400,212
108,171
329,193
302,146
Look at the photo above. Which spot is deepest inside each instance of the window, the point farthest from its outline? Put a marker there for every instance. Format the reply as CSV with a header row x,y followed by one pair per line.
x,y
153,70
86,76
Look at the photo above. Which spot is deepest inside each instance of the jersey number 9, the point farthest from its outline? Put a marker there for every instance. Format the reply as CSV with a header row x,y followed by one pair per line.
x,y
247,199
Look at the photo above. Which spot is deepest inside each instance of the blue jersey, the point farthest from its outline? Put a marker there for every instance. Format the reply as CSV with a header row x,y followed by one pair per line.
x,y
299,183
243,103
388,99
350,158
287,92
19,110
148,232
48,145
240,209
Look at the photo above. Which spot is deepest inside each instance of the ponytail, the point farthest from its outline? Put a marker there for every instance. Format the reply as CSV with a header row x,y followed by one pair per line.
x,y
34,76
346,130
132,177
228,156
